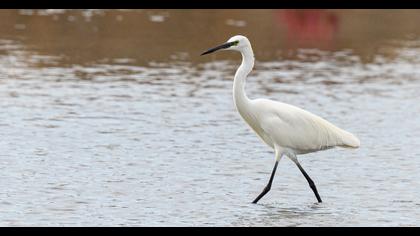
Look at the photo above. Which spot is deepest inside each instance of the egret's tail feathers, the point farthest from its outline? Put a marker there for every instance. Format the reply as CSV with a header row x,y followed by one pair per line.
x,y
349,140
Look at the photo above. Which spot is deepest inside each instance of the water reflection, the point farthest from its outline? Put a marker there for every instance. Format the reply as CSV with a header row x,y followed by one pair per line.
x,y
112,118
87,36
309,28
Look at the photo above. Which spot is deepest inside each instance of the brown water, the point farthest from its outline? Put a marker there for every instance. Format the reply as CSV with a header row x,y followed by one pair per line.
x,y
111,118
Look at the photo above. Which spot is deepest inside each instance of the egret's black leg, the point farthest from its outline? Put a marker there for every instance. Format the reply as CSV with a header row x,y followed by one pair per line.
x,y
268,187
311,183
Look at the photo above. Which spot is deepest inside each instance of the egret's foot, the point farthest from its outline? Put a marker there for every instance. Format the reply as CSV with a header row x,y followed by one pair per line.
x,y
264,192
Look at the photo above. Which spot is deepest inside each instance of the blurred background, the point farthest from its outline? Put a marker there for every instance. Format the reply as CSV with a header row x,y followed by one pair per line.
x,y
88,36
111,117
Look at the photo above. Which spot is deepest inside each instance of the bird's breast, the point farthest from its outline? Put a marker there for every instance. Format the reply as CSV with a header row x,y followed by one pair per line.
x,y
252,122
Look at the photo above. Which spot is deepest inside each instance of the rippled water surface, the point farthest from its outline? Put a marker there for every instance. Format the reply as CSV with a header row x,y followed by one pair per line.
x,y
111,118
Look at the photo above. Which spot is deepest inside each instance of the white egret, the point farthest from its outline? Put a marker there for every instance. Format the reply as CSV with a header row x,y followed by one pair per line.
x,y
287,129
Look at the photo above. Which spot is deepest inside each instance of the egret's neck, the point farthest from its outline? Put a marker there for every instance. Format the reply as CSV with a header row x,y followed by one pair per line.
x,y
246,66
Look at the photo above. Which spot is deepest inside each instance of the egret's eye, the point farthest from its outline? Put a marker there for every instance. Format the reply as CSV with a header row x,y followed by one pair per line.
x,y
235,43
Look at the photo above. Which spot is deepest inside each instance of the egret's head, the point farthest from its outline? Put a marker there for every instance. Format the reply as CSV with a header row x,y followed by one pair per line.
x,y
236,43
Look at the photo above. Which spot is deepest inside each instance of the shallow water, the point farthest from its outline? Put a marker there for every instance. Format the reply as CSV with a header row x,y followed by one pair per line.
x,y
111,118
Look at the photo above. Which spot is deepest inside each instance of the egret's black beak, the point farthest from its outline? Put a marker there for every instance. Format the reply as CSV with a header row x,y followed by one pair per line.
x,y
223,46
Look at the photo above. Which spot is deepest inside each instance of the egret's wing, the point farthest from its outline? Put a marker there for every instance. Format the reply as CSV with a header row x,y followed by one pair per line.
x,y
301,130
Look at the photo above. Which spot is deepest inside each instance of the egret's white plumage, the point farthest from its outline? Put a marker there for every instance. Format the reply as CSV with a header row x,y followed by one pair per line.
x,y
288,129
297,129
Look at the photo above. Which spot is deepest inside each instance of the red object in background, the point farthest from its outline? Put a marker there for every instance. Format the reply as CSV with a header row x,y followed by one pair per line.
x,y
309,28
